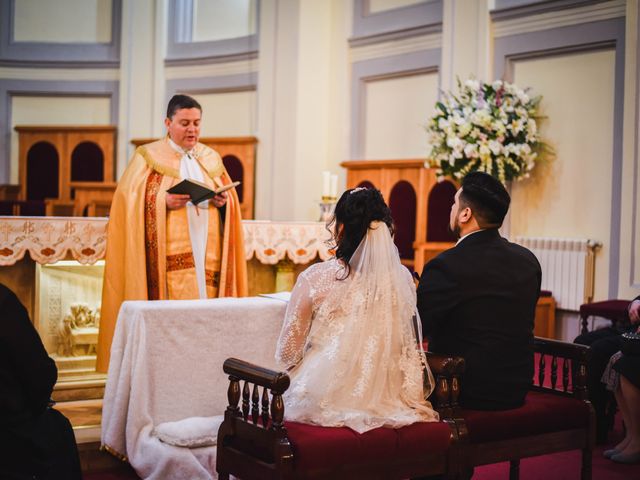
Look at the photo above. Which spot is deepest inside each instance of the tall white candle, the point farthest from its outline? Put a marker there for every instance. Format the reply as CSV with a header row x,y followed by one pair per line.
x,y
334,186
326,183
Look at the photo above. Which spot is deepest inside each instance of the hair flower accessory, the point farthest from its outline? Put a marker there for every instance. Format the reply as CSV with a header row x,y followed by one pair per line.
x,y
357,189
490,127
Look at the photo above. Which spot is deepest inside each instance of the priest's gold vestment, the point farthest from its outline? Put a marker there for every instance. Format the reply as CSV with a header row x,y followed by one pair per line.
x,y
149,253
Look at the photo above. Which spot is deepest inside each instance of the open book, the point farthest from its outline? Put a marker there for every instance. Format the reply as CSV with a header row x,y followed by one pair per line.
x,y
199,191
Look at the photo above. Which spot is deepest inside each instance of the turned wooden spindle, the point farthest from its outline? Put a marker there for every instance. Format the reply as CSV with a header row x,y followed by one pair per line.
x,y
245,401
265,407
233,394
443,393
255,407
277,410
554,372
580,388
565,375
455,391
542,364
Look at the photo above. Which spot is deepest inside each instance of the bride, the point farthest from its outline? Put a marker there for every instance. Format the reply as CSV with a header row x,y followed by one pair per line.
x,y
349,339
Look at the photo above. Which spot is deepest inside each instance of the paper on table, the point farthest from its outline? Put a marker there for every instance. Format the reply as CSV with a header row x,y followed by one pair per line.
x,y
282,296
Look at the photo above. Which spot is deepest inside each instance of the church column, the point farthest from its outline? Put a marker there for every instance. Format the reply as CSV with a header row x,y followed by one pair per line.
x,y
141,74
466,42
302,86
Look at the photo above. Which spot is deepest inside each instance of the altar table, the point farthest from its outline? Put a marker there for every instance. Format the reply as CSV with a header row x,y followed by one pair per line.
x,y
166,365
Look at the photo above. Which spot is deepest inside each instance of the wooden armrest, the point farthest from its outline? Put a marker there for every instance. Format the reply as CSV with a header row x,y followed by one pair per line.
x,y
447,371
445,364
276,381
572,370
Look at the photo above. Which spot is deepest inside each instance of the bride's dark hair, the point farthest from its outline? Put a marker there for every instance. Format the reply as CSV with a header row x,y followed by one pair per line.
x,y
354,212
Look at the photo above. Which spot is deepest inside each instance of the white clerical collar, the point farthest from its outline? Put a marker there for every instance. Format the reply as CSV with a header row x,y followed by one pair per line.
x,y
468,234
179,149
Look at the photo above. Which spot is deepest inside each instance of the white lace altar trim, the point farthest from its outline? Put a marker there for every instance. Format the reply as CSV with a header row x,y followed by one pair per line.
x,y
270,242
50,239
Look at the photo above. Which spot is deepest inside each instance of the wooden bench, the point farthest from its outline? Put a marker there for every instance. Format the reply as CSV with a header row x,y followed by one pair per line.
x,y
556,415
255,442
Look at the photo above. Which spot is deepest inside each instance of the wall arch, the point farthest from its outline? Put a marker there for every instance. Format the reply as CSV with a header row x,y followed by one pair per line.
x,y
43,168
403,202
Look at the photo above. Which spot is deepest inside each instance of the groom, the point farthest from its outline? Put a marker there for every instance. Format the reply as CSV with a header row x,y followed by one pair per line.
x,y
478,299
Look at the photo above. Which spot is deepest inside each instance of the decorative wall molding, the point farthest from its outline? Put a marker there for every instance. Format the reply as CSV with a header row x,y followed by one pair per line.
x,y
407,64
403,21
50,239
60,74
549,19
396,47
182,50
227,83
242,67
12,87
43,54
506,9
591,36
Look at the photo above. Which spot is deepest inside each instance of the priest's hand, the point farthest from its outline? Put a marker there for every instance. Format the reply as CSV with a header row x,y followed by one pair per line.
x,y
177,200
220,200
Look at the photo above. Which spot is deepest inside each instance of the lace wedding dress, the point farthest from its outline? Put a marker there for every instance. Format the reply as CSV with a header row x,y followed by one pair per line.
x,y
351,343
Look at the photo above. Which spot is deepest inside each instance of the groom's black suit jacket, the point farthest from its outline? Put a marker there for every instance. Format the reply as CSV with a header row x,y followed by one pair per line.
x,y
478,300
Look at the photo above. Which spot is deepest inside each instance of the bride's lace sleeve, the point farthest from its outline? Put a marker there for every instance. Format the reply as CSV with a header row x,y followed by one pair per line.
x,y
297,322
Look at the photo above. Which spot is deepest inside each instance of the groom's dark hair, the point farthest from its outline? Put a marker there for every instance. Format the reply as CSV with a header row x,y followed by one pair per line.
x,y
486,197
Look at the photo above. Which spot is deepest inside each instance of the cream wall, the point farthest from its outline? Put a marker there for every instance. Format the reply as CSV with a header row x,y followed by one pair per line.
x,y
54,111
62,21
629,286
231,114
570,196
223,19
396,114
376,6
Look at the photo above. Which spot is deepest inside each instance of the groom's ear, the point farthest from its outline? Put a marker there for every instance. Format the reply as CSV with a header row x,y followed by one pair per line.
x,y
465,215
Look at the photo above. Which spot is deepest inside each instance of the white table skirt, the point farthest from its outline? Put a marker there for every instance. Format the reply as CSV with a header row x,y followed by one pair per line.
x,y
166,365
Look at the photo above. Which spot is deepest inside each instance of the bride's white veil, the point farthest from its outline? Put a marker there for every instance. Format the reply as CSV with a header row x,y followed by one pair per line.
x,y
372,311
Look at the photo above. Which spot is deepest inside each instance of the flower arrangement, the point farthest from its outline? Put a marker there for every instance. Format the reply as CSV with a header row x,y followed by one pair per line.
x,y
490,127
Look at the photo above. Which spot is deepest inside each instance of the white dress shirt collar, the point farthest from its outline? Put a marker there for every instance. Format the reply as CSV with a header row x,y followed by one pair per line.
x,y
470,233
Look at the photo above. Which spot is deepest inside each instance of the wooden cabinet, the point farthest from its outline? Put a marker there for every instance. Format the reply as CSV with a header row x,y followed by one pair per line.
x,y
419,204
52,158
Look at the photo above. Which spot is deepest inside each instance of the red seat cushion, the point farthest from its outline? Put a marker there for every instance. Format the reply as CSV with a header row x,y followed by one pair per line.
x,y
316,447
611,309
541,413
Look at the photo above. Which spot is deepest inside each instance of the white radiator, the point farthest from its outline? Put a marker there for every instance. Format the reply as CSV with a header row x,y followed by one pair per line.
x,y
567,268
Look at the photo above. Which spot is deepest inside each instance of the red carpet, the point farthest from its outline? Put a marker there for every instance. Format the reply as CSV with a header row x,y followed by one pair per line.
x,y
559,466
565,465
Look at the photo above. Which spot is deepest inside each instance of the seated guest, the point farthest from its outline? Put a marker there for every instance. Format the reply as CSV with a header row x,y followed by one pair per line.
x,y
604,342
349,338
477,300
622,376
36,441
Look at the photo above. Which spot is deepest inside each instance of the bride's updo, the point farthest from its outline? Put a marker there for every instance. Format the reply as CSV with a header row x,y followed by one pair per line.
x,y
354,212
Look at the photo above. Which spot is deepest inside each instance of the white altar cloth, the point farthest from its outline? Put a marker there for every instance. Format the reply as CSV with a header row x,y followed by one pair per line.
x,y
166,365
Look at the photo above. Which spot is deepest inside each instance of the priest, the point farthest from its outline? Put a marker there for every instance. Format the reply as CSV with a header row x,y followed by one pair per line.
x,y
160,245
